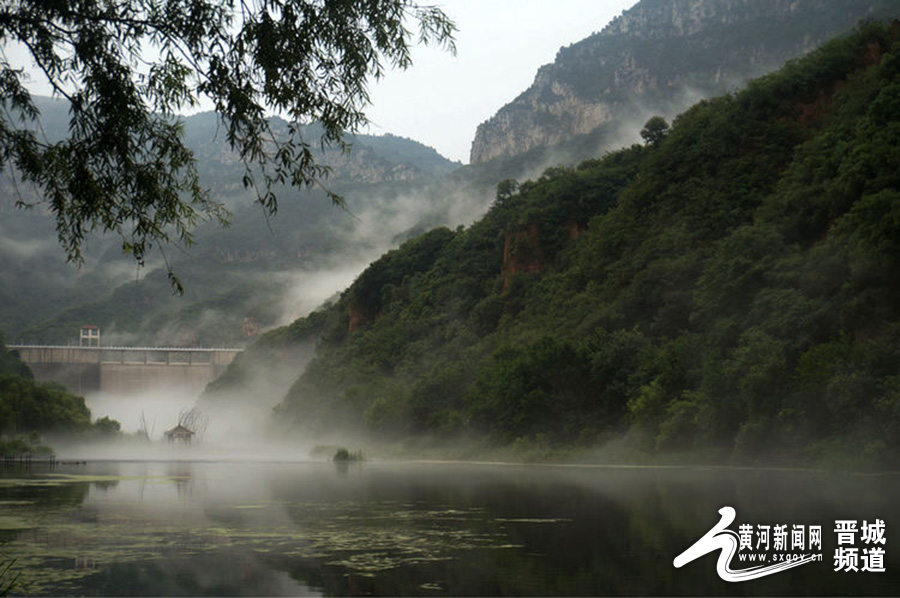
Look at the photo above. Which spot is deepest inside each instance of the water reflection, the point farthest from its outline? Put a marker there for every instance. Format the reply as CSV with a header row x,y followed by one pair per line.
x,y
416,529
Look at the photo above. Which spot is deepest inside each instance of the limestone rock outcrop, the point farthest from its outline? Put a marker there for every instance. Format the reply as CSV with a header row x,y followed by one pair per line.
x,y
660,57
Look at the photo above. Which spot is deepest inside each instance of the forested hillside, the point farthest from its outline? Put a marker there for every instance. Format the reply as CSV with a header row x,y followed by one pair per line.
x,y
728,286
229,274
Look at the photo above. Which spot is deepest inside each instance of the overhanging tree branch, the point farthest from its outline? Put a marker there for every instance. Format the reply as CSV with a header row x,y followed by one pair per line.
x,y
127,67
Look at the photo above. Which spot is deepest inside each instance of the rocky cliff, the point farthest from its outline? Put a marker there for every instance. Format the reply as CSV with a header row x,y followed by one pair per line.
x,y
660,57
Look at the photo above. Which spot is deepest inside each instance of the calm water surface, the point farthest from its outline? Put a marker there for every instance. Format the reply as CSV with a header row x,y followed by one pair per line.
x,y
182,528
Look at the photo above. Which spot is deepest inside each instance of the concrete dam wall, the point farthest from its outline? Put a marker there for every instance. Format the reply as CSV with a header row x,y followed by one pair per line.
x,y
125,370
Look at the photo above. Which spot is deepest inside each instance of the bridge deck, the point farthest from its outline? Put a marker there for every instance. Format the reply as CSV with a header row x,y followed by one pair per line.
x,y
125,370
137,355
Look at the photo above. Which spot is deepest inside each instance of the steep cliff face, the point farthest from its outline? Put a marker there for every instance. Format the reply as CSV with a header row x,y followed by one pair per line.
x,y
522,253
660,57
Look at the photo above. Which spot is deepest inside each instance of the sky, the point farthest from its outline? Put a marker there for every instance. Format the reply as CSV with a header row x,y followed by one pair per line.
x,y
441,99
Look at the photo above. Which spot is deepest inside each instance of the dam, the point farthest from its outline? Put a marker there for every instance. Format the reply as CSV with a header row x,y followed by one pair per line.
x,y
123,370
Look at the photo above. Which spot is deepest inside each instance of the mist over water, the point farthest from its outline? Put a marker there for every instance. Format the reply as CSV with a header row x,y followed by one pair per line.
x,y
224,449
227,430
193,528
160,407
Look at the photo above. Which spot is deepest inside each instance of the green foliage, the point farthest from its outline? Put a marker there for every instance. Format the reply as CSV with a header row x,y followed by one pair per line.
x,y
28,408
10,364
654,130
19,445
565,391
730,288
342,455
107,427
381,283
124,166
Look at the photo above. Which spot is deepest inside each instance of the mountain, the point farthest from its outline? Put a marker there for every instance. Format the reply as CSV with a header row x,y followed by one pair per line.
x,y
263,272
231,273
728,287
659,57
371,159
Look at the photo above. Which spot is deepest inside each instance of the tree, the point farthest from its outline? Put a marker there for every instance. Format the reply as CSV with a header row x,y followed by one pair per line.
x,y
128,67
145,429
506,189
654,130
10,364
107,427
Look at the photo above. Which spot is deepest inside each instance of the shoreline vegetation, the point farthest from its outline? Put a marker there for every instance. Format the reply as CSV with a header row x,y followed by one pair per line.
x,y
25,448
616,454
619,454
499,459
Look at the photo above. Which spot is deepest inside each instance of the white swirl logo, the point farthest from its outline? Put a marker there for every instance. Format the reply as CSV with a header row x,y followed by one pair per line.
x,y
727,542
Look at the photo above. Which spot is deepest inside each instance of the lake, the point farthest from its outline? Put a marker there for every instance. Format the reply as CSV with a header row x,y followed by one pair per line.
x,y
185,528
